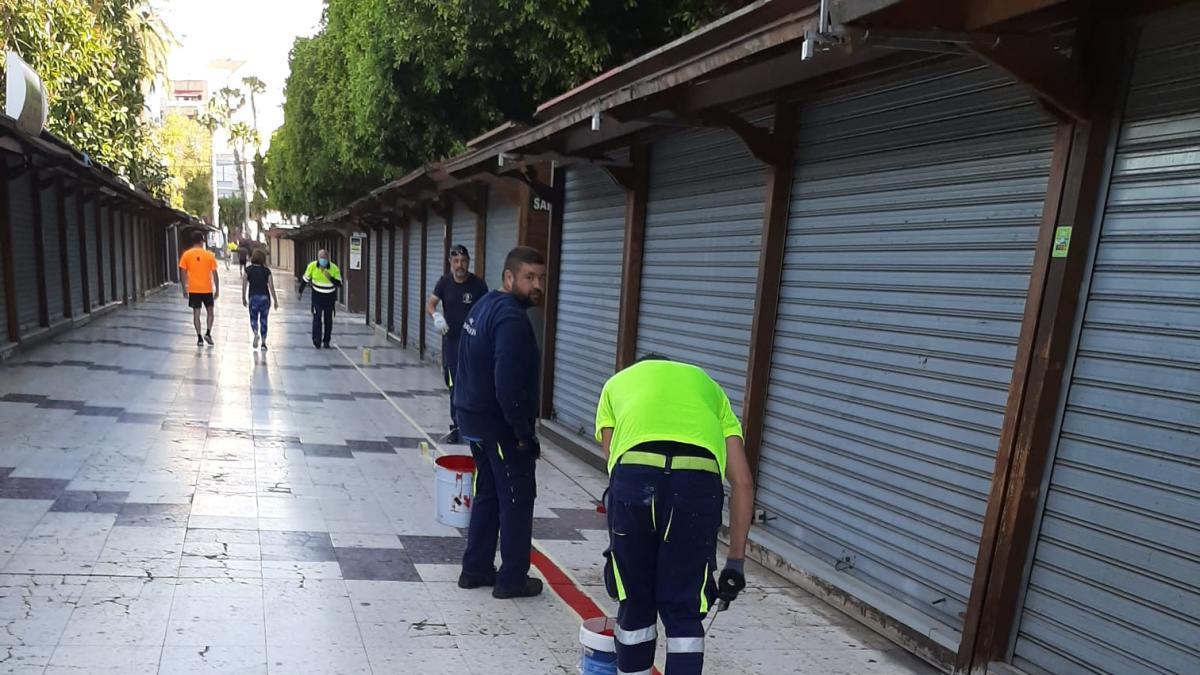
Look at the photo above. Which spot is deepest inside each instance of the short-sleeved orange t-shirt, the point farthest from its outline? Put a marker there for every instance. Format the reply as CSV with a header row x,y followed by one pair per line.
x,y
199,264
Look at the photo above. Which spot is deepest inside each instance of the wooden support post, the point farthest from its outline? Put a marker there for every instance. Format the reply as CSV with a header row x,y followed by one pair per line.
x,y
64,259
636,197
12,312
39,249
1077,181
553,263
770,275
84,267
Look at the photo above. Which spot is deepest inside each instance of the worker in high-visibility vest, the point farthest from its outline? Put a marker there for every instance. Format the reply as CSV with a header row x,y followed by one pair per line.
x,y
325,278
670,436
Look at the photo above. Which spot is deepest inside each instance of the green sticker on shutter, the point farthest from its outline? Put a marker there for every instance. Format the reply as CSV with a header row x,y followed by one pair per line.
x,y
1062,241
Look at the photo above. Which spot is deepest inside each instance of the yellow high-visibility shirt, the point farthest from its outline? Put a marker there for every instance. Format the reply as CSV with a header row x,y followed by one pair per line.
x,y
659,400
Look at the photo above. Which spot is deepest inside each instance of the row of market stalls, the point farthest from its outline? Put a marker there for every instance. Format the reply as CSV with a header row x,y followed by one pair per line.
x,y
76,240
945,260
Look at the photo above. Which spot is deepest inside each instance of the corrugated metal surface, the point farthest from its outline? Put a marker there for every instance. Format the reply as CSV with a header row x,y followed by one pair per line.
x,y
1115,582
373,275
589,294
401,280
913,221
463,227
51,246
415,303
74,257
500,235
122,240
700,266
385,275
106,250
24,261
92,246
435,253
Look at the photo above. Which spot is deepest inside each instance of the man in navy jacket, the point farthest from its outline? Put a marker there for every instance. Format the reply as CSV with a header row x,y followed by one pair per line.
x,y
496,396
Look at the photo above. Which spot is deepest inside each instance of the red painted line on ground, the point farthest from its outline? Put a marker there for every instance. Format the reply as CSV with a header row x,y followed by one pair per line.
x,y
579,602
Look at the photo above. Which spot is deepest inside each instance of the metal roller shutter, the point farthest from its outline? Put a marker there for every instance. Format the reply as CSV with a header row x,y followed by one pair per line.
x,y
589,294
51,248
385,275
435,253
500,236
95,278
372,269
398,257
122,240
74,256
106,250
700,265
415,302
1115,580
914,216
464,230
24,261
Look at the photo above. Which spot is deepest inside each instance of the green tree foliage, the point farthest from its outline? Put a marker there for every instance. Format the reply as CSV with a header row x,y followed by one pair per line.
x,y
233,210
390,84
197,195
96,58
187,147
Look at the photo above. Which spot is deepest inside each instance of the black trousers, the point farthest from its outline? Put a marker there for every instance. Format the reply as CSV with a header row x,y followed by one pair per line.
x,y
322,313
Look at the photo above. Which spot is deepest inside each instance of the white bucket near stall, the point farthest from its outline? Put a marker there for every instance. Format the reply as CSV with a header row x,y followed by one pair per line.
x,y
455,475
599,647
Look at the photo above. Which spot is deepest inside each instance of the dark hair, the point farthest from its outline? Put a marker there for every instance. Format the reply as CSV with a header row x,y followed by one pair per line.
x,y
459,249
198,238
652,356
258,257
523,255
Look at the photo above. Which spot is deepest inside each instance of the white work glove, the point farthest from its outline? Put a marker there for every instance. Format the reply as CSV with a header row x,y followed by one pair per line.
x,y
439,322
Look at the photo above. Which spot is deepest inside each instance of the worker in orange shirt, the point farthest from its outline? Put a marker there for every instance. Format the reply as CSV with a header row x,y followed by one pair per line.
x,y
200,284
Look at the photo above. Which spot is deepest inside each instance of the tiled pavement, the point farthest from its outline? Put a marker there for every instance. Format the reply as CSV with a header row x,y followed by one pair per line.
x,y
166,508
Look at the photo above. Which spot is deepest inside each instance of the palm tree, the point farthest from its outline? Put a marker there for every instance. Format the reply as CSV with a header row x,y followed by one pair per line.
x,y
240,135
255,86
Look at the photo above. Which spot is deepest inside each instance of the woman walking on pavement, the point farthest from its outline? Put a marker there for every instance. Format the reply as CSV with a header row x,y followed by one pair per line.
x,y
258,293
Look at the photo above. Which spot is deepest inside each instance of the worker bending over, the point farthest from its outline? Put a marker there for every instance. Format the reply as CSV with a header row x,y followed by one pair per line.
x,y
670,437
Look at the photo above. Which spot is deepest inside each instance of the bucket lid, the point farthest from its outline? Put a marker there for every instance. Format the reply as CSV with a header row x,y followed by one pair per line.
x,y
457,463
597,634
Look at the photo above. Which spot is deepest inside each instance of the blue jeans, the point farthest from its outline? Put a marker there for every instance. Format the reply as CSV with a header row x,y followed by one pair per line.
x,y
663,528
260,307
505,488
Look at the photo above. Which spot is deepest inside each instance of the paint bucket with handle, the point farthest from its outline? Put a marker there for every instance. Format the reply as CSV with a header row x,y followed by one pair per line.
x,y
454,489
599,647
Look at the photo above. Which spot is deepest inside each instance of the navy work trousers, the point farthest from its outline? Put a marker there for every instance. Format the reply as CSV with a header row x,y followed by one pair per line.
x,y
322,313
505,488
449,369
663,525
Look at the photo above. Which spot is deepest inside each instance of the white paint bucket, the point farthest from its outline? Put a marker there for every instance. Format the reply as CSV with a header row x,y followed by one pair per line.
x,y
599,647
455,476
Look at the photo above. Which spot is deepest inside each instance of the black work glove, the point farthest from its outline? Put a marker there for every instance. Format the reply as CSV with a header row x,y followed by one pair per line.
x,y
731,583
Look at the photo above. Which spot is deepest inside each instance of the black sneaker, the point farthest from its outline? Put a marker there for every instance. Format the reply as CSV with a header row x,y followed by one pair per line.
x,y
264,346
452,438
325,345
469,581
199,341
316,344
531,588
208,338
